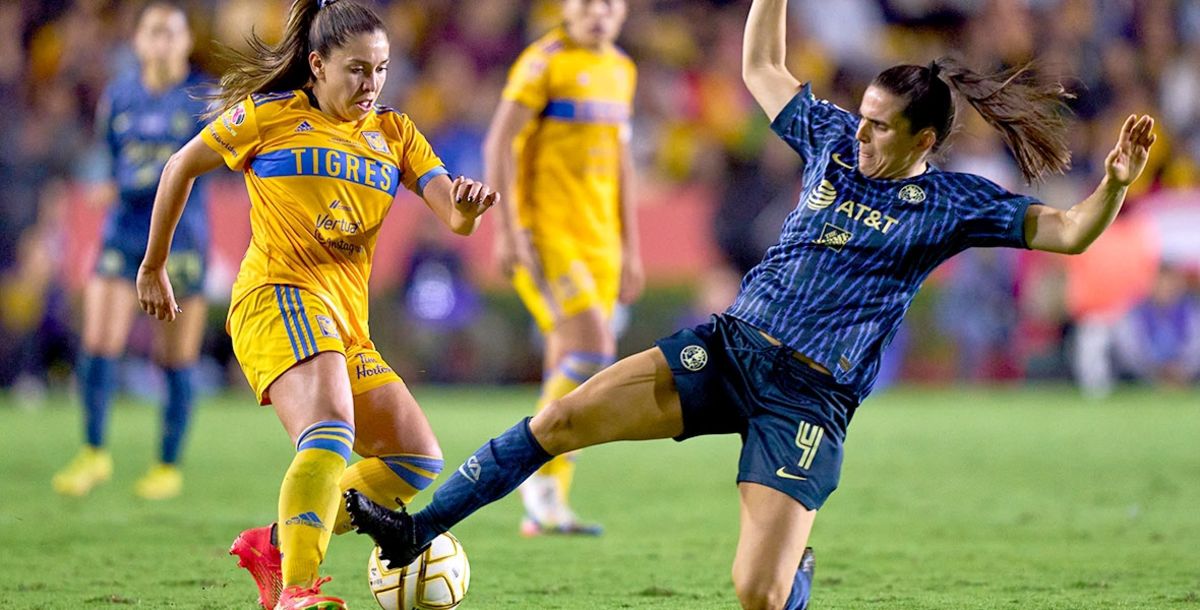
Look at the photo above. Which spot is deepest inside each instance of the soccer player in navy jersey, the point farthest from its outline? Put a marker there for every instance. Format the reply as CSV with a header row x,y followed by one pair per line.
x,y
143,117
788,363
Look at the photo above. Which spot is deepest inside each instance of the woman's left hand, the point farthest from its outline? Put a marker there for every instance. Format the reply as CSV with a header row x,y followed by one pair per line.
x,y
1128,158
471,197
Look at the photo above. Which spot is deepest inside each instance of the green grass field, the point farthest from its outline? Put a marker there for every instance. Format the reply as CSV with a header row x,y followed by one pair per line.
x,y
950,498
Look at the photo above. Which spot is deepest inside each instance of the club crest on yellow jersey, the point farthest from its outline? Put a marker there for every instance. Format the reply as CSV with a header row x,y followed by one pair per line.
x,y
375,141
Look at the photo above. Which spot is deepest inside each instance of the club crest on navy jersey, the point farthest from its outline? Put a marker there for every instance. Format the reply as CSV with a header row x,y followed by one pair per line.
x,y
693,357
911,193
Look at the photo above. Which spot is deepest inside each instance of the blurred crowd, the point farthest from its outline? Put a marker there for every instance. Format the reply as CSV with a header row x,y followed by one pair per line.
x,y
1126,309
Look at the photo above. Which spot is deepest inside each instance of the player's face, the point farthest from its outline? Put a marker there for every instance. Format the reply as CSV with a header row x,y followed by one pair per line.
x,y
350,79
887,148
594,23
162,37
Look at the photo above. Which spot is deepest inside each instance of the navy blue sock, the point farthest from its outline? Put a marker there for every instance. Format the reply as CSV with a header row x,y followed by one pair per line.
x,y
176,412
801,590
96,378
494,470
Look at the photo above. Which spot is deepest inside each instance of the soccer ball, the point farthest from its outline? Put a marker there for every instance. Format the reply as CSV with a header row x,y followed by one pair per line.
x,y
437,580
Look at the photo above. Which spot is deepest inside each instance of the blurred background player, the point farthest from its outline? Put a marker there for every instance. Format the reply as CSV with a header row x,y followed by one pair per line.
x,y
787,365
558,149
143,118
322,163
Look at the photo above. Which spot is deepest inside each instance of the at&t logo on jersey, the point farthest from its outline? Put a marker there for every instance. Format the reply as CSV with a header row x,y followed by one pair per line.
x,y
822,197
825,195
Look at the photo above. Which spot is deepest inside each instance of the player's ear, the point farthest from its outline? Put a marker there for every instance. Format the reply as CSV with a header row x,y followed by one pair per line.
x,y
316,65
927,138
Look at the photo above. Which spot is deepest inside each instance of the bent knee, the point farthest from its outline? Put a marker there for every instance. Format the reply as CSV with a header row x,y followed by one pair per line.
x,y
376,442
756,593
556,427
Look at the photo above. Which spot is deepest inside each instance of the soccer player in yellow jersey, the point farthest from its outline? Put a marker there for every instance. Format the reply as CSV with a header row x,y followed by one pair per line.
x,y
322,163
558,150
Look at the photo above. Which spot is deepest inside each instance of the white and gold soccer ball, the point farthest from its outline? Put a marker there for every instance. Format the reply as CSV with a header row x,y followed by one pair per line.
x,y
437,580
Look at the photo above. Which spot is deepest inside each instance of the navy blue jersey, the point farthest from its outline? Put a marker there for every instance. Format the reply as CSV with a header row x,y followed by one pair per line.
x,y
140,131
855,250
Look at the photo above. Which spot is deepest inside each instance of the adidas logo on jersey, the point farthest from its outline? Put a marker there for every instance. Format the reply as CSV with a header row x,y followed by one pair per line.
x,y
303,126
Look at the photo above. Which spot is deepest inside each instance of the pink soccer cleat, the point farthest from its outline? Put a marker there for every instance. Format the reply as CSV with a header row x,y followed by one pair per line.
x,y
299,597
261,558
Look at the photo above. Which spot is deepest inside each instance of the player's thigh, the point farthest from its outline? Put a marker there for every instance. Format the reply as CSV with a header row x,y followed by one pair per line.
x,y
774,531
109,307
275,328
388,421
178,343
312,391
634,399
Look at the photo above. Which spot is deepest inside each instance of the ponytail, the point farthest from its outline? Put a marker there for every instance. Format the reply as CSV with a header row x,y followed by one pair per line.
x,y
1028,110
312,25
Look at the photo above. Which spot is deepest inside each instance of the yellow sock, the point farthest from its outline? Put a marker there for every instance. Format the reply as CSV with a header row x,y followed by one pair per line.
x,y
388,480
309,498
575,368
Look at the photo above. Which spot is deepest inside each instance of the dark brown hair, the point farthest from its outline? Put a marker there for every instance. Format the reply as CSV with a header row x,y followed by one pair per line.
x,y
1028,109
312,25
167,5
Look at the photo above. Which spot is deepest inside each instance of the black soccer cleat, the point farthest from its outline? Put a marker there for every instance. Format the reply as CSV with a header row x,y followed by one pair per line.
x,y
394,532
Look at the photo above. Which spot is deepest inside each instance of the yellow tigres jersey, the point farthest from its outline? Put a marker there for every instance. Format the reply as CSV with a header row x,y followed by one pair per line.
x,y
319,189
568,169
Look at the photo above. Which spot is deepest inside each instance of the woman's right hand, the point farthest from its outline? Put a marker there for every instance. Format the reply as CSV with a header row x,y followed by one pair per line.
x,y
514,248
155,294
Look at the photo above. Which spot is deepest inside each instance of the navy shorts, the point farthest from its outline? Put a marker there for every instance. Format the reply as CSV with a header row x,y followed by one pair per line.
x,y
120,258
792,418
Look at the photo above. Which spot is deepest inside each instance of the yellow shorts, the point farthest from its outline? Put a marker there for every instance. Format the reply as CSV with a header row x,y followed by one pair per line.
x,y
275,327
566,288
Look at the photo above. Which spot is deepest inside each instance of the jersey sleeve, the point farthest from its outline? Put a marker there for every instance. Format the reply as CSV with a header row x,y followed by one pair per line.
x,y
808,124
991,216
235,134
418,163
528,80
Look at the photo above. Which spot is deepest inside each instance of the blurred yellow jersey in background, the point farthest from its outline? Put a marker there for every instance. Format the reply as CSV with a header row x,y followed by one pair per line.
x,y
319,190
568,176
